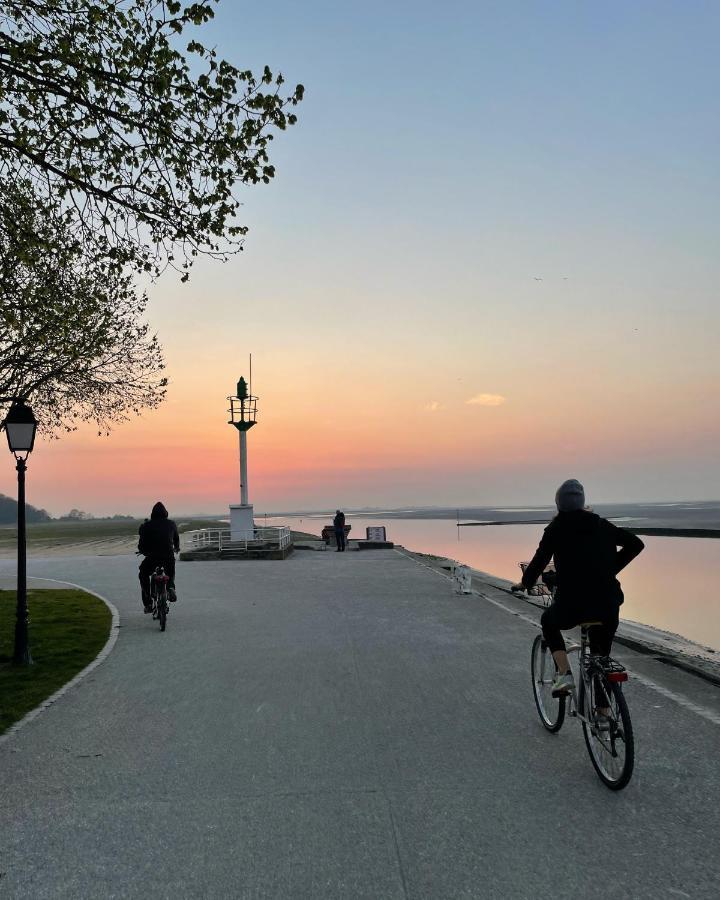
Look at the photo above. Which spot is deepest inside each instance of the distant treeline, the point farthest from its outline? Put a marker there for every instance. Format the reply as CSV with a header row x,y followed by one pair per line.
x,y
8,514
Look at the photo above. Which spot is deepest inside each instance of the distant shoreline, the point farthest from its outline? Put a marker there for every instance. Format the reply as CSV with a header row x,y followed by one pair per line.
x,y
643,530
678,532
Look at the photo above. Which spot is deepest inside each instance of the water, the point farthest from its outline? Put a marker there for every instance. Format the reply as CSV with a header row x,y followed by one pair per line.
x,y
672,585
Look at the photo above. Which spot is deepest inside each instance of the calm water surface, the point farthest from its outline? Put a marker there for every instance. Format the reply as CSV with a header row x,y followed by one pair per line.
x,y
671,585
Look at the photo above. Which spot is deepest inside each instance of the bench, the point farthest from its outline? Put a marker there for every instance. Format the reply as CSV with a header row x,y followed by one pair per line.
x,y
328,534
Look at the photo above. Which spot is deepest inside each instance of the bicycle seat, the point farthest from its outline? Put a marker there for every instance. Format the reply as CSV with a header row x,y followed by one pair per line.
x,y
588,624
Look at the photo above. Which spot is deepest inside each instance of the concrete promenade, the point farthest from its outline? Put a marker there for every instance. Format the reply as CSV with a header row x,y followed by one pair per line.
x,y
344,726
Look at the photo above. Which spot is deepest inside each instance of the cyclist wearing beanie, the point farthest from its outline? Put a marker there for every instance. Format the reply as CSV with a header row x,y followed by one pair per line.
x,y
158,542
587,561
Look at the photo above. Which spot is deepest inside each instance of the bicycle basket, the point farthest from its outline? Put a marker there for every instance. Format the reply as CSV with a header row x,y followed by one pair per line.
x,y
541,588
549,578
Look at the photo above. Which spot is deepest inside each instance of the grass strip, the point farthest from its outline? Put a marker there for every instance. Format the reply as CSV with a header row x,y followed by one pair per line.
x,y
68,628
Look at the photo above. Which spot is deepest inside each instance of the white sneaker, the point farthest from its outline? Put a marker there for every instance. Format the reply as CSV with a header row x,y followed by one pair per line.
x,y
563,684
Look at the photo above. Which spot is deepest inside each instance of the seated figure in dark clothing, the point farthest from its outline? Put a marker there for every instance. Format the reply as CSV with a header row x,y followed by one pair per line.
x,y
587,560
158,542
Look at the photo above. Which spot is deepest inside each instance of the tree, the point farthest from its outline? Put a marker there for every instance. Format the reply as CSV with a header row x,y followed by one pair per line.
x,y
72,339
8,512
143,141
76,515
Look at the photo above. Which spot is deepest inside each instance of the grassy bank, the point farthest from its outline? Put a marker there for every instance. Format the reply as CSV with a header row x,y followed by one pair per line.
x,y
67,631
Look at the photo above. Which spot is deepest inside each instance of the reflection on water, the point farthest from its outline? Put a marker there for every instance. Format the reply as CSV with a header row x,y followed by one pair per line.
x,y
671,585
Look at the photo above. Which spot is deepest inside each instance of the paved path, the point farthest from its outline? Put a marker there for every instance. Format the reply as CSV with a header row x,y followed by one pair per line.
x,y
340,725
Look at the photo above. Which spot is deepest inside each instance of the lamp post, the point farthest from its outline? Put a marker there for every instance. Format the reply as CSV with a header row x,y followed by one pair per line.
x,y
20,426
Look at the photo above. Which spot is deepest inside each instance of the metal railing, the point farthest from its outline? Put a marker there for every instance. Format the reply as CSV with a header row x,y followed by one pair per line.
x,y
272,537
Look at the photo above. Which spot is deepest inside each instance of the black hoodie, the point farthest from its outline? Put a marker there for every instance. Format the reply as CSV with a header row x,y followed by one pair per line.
x,y
587,559
158,535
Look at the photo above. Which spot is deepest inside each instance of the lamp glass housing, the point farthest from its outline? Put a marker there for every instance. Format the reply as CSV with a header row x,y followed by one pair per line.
x,y
20,428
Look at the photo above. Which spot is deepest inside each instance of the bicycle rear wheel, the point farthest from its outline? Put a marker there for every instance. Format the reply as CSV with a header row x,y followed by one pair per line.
x,y
162,608
542,665
612,752
154,600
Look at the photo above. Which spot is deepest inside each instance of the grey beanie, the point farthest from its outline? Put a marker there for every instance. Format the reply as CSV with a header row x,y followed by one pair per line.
x,y
570,496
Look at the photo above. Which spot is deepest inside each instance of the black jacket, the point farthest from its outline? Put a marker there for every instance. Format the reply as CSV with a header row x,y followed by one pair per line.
x,y
339,521
587,559
158,537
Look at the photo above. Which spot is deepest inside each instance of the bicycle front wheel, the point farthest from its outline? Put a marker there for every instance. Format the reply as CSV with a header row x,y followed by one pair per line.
x,y
162,609
612,752
542,666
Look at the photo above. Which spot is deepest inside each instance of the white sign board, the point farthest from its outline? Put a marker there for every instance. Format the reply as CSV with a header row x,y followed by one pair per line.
x,y
375,533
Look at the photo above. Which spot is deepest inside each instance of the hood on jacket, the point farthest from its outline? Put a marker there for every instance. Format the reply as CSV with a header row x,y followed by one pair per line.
x,y
159,511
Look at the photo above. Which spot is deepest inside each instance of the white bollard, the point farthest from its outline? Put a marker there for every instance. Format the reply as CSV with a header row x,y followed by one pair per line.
x,y
462,579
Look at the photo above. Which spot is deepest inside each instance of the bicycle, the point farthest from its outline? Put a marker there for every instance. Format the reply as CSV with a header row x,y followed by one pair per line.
x,y
611,749
159,596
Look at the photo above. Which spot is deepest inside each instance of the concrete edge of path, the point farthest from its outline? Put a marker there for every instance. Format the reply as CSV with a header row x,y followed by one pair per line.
x,y
671,649
704,712
76,679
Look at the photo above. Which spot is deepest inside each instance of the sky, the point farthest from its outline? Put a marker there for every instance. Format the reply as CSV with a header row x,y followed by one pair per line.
x,y
488,262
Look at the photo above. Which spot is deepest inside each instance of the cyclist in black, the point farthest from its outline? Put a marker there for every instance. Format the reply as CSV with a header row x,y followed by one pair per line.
x,y
587,561
158,542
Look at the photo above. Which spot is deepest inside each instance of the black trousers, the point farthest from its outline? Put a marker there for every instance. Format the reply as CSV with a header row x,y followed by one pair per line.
x,y
340,538
558,618
148,566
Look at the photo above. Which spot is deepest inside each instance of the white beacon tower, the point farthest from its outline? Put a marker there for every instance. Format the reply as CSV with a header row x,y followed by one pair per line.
x,y
243,415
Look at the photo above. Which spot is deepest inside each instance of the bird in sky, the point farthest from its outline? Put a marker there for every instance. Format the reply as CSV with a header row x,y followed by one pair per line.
x,y
535,278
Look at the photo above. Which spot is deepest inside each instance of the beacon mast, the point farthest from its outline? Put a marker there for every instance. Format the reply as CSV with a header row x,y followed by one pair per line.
x,y
243,415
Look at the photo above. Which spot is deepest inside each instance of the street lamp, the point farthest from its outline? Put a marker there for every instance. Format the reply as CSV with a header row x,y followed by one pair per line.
x,y
20,426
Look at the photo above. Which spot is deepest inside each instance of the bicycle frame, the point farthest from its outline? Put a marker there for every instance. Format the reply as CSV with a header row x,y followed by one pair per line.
x,y
582,650
596,699
158,577
158,590
588,669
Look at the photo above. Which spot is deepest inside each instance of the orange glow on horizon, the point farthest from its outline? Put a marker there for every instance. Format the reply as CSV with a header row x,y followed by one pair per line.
x,y
367,439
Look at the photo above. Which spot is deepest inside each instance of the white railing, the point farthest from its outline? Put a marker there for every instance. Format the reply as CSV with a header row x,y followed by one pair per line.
x,y
276,537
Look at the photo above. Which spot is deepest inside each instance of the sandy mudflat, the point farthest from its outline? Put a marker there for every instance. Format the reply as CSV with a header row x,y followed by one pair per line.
x,y
50,548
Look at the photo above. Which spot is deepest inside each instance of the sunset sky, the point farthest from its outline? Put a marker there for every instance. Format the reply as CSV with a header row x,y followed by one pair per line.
x,y
489,261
